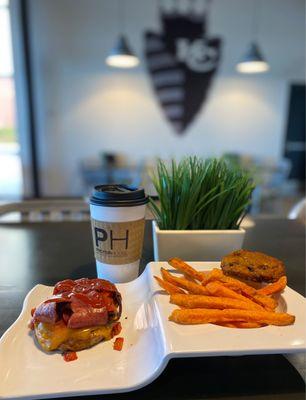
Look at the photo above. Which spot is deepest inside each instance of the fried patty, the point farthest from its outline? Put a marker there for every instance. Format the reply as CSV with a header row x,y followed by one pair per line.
x,y
252,266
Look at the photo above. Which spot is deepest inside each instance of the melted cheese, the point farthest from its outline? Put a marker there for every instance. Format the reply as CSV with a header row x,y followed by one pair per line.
x,y
53,336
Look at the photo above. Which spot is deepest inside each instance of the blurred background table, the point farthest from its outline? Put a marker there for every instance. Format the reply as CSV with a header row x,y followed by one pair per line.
x,y
48,252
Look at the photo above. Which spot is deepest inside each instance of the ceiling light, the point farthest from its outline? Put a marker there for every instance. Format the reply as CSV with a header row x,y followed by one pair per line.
x,y
253,61
121,55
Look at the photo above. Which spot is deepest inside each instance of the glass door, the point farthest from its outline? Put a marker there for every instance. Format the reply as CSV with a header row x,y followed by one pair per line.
x,y
10,162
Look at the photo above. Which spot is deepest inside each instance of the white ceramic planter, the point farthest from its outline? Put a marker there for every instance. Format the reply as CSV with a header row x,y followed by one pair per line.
x,y
202,245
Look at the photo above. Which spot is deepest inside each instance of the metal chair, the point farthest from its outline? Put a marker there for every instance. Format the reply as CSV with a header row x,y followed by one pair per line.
x,y
298,211
45,211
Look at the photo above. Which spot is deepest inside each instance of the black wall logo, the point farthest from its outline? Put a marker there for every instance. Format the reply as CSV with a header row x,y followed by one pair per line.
x,y
182,61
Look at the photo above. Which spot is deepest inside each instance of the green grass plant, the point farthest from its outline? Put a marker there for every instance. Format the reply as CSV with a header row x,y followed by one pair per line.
x,y
198,194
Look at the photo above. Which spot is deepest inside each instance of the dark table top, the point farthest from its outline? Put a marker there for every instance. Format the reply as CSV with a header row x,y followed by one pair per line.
x,y
49,252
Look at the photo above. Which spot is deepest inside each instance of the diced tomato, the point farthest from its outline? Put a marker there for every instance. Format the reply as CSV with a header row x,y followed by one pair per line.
x,y
116,329
118,344
70,356
33,311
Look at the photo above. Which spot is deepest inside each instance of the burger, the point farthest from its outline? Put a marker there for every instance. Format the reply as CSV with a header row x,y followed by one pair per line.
x,y
79,314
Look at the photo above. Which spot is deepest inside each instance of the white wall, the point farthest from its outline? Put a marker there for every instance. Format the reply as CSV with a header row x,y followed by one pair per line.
x,y
84,107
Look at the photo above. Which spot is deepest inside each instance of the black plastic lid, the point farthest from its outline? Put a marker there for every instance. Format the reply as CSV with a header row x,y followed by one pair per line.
x,y
118,196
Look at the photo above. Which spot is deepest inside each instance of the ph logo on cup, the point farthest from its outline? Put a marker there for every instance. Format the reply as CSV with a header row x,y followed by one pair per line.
x,y
118,242
102,236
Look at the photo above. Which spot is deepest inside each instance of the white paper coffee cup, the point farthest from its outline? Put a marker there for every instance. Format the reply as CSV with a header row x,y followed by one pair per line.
x,y
117,219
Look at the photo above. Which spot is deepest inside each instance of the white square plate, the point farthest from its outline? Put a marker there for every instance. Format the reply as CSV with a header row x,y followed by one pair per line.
x,y
151,340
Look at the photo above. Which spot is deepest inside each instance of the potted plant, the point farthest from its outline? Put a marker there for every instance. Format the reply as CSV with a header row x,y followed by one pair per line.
x,y
200,206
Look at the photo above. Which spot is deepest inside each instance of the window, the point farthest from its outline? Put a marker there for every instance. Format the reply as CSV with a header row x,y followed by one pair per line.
x,y
10,165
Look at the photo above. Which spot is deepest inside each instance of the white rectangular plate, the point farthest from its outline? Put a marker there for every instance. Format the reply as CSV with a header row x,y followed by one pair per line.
x,y
151,340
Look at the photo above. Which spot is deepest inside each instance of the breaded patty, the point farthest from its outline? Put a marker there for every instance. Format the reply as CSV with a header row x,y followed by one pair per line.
x,y
253,266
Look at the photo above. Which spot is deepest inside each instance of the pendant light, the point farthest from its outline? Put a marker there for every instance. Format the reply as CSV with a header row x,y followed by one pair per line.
x,y
253,62
121,55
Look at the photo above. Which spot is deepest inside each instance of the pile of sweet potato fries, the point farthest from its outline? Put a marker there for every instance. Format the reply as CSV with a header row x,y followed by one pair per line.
x,y
212,297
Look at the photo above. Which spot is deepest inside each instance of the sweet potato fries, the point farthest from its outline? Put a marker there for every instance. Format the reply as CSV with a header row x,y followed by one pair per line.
x,y
212,297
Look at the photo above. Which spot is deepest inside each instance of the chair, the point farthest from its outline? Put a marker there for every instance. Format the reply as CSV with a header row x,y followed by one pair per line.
x,y
56,210
298,211
95,173
270,178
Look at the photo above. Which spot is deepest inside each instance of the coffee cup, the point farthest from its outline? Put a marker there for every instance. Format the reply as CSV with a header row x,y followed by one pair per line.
x,y
118,220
